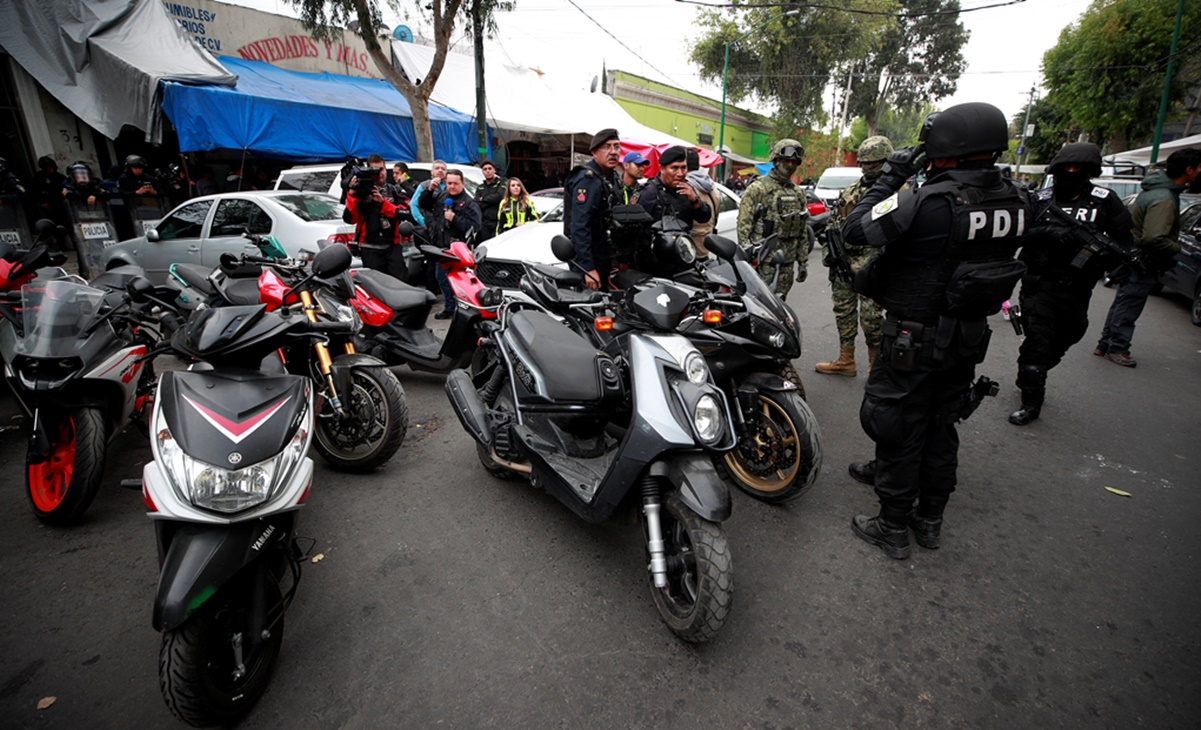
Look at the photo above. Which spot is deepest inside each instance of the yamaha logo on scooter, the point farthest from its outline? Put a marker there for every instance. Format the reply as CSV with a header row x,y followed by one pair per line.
x,y
235,457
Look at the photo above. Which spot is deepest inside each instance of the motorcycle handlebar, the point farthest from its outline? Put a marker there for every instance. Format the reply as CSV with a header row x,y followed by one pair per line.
x,y
338,327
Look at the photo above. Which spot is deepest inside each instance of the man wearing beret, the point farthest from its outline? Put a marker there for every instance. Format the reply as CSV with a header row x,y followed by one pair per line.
x,y
669,194
587,197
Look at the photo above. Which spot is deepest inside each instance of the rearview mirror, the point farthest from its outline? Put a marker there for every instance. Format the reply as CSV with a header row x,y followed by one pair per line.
x,y
139,289
228,261
562,247
331,261
406,229
721,246
152,235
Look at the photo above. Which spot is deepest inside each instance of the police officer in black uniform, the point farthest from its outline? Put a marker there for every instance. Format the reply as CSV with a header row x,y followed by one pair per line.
x,y
947,263
1060,273
587,203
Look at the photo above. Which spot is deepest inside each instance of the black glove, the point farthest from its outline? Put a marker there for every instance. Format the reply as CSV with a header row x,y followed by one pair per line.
x,y
901,165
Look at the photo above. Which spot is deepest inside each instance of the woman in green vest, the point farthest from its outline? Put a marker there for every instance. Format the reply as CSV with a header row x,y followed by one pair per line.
x,y
516,208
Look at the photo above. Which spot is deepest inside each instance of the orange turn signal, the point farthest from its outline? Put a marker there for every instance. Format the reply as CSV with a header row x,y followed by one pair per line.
x,y
603,324
712,316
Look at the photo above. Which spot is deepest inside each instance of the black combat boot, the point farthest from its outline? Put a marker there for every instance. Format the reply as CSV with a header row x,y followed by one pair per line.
x,y
891,538
863,472
926,530
1033,382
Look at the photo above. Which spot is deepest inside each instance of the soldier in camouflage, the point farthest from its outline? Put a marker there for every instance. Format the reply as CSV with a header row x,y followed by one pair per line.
x,y
773,204
850,309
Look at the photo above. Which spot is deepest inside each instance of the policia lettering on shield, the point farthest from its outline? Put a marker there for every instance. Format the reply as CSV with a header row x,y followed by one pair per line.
x,y
946,262
587,200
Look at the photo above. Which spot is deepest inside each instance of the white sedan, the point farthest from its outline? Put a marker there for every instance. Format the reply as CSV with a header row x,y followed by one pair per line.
x,y
201,229
502,257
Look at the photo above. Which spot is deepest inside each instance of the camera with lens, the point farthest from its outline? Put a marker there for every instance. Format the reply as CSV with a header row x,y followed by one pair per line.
x,y
366,180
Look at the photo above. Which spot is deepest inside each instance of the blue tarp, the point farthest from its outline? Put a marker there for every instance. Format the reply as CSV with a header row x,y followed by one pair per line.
x,y
305,117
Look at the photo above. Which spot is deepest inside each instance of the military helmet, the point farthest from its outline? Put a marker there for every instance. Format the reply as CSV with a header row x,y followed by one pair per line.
x,y
1085,154
135,161
974,128
80,172
875,149
788,149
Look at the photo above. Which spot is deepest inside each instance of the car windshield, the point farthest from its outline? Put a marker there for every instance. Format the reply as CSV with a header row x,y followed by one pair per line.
x,y
54,314
837,181
318,181
555,214
311,208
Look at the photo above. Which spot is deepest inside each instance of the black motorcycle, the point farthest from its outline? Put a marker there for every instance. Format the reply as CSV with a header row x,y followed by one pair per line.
x,y
608,433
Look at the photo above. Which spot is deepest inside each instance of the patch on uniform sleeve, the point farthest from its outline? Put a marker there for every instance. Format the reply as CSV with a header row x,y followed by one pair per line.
x,y
581,194
884,207
1100,192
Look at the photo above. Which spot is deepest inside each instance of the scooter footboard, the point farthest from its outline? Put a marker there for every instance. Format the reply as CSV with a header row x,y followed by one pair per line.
x,y
699,485
202,558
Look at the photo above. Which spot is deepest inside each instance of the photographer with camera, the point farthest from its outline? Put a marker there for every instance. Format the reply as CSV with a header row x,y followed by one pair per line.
x,y
373,217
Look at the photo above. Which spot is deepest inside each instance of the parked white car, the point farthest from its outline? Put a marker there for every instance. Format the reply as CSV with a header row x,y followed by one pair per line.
x,y
833,181
201,229
502,257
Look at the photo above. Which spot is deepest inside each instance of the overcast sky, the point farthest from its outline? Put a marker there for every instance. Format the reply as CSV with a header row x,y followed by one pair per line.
x,y
653,38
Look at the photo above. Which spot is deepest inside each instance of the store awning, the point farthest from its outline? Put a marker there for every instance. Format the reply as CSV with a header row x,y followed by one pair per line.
x,y
104,59
306,117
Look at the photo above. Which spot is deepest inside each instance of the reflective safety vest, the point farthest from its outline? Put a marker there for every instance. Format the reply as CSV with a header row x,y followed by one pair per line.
x,y
515,214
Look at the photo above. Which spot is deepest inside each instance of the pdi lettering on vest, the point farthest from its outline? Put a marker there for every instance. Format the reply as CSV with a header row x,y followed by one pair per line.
x,y
1000,221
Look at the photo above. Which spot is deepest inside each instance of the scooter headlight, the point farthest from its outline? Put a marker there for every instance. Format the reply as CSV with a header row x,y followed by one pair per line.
x,y
706,418
695,368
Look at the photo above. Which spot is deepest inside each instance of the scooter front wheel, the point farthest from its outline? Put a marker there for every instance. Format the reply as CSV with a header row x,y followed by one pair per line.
x,y
377,419
700,574
779,457
62,486
211,670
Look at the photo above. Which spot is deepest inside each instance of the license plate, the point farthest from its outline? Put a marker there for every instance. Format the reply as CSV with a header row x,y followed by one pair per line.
x,y
12,237
94,230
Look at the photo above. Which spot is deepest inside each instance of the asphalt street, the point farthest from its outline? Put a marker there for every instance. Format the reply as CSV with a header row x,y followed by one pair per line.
x,y
446,598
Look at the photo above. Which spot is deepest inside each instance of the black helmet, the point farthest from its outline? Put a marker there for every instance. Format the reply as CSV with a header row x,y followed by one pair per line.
x,y
79,172
46,161
964,130
1085,154
135,161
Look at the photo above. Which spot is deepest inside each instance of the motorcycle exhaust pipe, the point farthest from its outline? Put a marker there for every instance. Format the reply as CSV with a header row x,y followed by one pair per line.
x,y
654,531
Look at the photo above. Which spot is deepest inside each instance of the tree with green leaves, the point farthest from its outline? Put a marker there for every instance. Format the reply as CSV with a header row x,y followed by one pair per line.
x,y
786,60
323,18
917,60
1106,73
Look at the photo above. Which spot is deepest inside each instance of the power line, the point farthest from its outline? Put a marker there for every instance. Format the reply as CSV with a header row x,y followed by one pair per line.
x,y
623,45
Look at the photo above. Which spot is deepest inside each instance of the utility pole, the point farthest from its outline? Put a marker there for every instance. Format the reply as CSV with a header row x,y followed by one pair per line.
x,y
1167,86
481,114
1025,128
846,109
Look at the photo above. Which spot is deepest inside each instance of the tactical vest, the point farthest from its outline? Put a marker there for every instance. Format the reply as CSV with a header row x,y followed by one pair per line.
x,y
790,213
978,271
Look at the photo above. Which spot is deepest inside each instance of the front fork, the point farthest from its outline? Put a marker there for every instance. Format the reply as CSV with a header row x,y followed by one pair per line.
x,y
324,361
654,530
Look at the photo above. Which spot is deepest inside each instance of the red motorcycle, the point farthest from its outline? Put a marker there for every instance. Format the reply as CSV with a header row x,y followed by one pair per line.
x,y
394,314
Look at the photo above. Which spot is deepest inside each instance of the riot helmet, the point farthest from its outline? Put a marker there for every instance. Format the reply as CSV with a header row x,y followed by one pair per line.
x,y
787,149
964,130
135,161
874,149
1085,155
46,161
80,173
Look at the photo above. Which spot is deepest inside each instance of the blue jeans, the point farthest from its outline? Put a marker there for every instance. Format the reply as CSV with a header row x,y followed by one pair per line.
x,y
1127,305
444,284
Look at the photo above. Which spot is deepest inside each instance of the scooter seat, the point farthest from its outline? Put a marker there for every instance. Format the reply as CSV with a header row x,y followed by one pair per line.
x,y
565,361
393,292
195,276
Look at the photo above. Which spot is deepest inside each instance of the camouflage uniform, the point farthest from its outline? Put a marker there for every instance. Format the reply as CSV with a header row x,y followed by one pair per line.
x,y
784,212
852,310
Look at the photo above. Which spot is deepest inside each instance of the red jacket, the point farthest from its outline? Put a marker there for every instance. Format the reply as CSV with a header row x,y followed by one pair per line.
x,y
387,210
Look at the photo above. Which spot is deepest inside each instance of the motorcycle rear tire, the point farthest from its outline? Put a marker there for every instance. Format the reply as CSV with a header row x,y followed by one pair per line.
x,y
779,461
62,487
195,659
387,402
700,574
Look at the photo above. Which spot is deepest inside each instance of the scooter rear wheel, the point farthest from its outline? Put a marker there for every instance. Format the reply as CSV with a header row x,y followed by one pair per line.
x,y
197,669
63,486
700,574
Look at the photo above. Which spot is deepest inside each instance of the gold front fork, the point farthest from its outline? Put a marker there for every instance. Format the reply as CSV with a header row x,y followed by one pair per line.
x,y
324,361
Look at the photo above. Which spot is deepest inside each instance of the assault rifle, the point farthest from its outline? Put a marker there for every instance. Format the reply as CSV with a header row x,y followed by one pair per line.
x,y
838,254
1095,242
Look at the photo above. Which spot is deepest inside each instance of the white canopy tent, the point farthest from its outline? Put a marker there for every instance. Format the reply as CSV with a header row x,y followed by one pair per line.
x,y
1142,156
